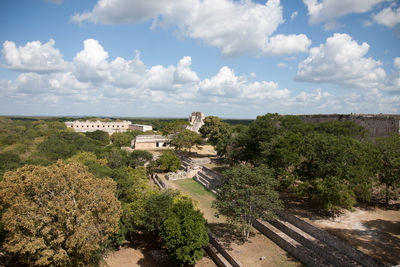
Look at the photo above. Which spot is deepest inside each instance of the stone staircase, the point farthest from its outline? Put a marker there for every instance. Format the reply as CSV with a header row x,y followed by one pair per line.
x,y
311,245
208,178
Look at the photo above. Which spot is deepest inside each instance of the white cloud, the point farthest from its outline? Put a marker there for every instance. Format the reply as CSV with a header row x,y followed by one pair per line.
x,y
287,44
126,73
91,63
183,73
342,61
103,84
294,15
236,27
389,16
328,10
282,65
226,85
33,57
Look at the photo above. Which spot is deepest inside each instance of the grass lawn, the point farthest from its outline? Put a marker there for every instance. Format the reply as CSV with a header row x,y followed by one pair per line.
x,y
203,197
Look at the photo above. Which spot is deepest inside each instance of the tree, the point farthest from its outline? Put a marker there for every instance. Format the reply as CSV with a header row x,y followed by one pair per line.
x,y
174,127
58,215
121,139
139,158
56,148
184,233
214,129
133,191
117,158
389,164
158,208
245,194
185,139
329,160
98,135
169,161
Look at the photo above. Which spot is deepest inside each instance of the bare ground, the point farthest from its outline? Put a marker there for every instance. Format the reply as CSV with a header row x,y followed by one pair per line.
x,y
373,230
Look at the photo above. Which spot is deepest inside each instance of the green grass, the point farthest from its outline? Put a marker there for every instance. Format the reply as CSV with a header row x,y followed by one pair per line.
x,y
193,188
202,196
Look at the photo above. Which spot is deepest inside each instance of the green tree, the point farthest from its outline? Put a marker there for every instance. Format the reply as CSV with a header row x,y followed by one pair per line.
x,y
332,158
169,161
158,208
184,233
56,148
59,215
116,158
247,193
215,130
121,139
139,158
185,139
96,166
101,136
174,127
389,164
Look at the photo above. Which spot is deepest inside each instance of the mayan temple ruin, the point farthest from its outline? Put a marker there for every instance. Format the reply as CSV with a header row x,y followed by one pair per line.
x,y
196,120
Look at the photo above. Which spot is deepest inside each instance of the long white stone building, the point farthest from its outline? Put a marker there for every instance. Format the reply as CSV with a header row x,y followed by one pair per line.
x,y
91,126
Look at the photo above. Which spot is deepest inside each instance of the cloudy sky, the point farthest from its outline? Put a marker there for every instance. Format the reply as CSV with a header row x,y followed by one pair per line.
x,y
229,58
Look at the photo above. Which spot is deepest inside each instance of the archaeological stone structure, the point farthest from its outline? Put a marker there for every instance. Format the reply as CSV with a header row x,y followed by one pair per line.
x,y
144,142
196,120
91,126
378,125
140,127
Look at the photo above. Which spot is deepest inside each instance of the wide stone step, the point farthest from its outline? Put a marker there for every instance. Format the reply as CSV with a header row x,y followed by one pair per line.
x,y
333,241
298,250
216,256
320,248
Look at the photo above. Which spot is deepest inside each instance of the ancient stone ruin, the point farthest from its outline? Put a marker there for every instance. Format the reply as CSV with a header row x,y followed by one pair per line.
x,y
196,120
378,125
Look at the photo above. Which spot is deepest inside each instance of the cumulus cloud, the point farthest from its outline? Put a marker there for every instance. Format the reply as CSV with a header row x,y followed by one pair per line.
x,y
98,82
183,73
287,44
342,61
91,64
389,16
227,85
328,10
33,57
236,27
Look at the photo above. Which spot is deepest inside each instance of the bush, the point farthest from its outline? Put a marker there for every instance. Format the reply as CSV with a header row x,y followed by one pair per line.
x,y
169,161
184,233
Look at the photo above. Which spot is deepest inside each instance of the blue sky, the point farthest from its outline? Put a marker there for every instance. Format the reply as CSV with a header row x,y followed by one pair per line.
x,y
233,59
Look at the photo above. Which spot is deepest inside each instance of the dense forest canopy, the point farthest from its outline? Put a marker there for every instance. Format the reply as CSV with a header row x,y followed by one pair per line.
x,y
332,164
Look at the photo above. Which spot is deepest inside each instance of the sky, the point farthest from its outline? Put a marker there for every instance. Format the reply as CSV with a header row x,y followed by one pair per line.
x,y
227,58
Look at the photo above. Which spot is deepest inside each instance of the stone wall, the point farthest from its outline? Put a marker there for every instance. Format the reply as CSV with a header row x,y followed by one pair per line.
x,y
377,125
91,126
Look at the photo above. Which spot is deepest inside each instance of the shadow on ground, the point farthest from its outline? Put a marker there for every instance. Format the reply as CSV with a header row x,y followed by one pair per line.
x,y
379,240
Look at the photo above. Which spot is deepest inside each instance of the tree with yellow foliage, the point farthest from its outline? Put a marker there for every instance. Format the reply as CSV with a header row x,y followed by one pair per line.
x,y
58,215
